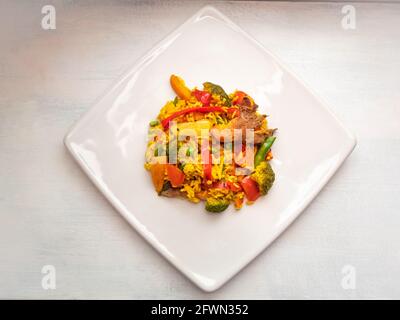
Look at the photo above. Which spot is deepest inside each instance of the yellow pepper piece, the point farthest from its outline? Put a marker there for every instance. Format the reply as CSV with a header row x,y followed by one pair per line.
x,y
180,88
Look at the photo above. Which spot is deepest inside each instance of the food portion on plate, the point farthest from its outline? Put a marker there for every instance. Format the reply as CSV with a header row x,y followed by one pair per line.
x,y
207,145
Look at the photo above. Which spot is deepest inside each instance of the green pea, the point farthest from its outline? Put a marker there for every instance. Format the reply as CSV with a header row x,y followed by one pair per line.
x,y
153,123
189,151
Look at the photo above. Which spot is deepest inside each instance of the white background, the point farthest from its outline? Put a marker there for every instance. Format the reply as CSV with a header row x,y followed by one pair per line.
x,y
50,213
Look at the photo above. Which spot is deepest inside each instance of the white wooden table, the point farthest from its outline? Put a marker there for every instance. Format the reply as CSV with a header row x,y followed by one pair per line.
x,y
50,214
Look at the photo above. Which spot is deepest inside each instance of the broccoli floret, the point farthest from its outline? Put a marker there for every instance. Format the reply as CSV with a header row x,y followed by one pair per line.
x,y
264,176
216,205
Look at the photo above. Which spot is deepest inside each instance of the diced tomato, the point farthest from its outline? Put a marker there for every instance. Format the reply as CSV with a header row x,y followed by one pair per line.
x,y
175,175
250,188
203,96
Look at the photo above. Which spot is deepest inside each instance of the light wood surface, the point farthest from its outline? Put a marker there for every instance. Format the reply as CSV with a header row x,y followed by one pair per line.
x,y
50,214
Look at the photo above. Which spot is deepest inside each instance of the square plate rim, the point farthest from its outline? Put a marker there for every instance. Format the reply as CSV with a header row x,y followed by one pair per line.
x,y
131,69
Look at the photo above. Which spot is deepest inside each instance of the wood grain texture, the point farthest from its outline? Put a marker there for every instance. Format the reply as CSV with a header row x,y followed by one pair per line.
x,y
51,214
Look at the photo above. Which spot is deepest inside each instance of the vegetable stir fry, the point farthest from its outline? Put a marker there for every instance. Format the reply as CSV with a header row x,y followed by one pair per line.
x,y
207,145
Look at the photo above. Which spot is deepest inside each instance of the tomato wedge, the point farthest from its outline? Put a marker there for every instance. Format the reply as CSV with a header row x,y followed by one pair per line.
x,y
250,188
175,175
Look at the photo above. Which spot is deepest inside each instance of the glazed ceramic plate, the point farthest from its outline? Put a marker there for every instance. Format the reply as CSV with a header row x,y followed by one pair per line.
x,y
109,143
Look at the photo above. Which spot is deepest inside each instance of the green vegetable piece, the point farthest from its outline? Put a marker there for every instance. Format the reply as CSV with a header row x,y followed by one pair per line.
x,y
216,205
262,152
264,176
216,89
189,151
153,123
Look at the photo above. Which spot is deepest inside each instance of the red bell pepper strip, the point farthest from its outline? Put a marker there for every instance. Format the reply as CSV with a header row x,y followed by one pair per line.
x,y
250,188
203,96
208,171
166,121
207,165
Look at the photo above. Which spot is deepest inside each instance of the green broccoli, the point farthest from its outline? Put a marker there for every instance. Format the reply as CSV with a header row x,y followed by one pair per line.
x,y
216,205
264,176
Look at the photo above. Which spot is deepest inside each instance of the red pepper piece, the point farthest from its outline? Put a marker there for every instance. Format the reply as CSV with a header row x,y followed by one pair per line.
x,y
250,188
203,96
207,165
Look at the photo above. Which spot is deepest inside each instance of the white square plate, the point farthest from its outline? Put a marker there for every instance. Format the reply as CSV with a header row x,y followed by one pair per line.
x,y
109,143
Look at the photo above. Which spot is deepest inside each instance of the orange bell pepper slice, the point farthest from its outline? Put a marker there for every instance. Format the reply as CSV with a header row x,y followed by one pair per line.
x,y
180,88
157,171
